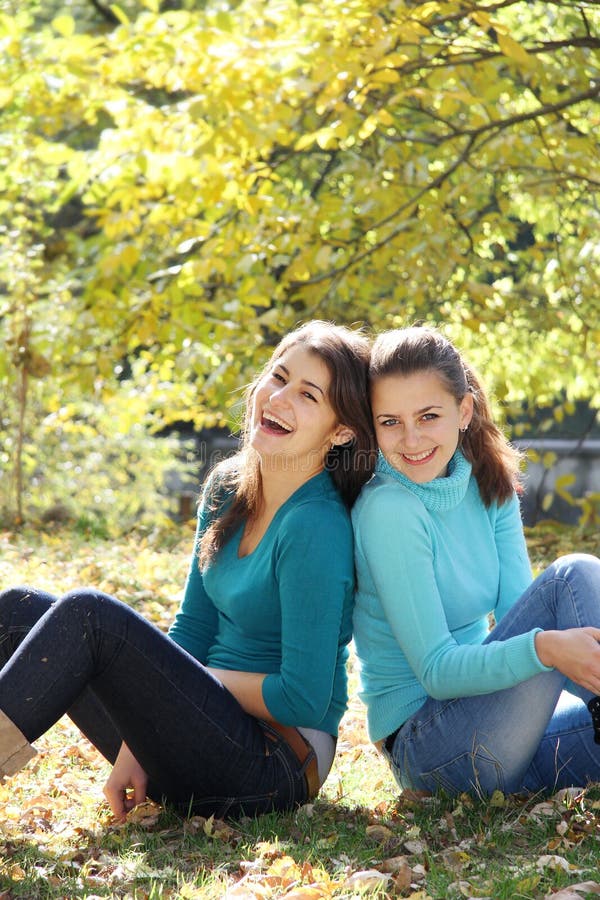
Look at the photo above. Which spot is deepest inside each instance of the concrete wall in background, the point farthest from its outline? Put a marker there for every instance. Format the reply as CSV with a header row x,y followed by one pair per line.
x,y
582,459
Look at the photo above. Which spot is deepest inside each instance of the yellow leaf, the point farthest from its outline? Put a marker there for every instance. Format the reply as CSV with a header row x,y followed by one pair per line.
x,y
119,14
305,141
565,481
482,18
513,50
326,139
368,127
309,892
384,117
6,95
497,799
53,154
562,484
386,76
528,884
64,25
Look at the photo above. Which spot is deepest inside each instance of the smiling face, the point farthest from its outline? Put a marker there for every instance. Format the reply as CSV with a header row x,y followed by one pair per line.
x,y
293,424
418,422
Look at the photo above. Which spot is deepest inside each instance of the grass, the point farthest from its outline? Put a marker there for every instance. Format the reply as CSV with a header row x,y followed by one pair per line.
x,y
360,838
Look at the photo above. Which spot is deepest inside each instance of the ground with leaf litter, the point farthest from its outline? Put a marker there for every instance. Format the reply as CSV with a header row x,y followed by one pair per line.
x,y
360,838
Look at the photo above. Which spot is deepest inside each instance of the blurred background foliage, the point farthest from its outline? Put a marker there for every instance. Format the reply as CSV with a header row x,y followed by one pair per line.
x,y
182,182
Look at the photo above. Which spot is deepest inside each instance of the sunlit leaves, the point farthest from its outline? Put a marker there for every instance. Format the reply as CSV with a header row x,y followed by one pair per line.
x,y
361,837
217,175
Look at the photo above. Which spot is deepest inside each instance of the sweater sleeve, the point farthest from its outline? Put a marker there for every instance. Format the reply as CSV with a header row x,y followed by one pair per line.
x,y
195,623
515,568
314,572
397,545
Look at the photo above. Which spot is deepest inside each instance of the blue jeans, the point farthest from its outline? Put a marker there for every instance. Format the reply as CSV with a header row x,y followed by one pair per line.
x,y
122,679
536,736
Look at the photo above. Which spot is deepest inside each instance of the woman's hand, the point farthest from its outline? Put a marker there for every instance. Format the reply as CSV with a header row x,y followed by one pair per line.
x,y
575,652
126,785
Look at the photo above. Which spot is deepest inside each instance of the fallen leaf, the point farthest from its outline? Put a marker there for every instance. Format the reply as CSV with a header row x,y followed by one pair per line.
x,y
283,872
568,794
308,892
554,862
415,847
367,879
574,891
455,859
144,814
381,834
543,809
393,864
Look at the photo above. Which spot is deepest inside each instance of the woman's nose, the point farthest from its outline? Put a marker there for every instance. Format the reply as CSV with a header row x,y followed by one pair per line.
x,y
411,436
278,394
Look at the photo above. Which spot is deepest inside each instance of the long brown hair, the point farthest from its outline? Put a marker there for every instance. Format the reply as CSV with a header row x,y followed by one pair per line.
x,y
236,495
405,351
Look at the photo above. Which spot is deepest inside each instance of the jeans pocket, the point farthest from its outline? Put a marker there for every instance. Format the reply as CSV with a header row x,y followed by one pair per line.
x,y
476,772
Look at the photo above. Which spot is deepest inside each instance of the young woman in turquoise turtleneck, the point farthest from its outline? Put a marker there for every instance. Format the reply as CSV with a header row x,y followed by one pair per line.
x,y
439,546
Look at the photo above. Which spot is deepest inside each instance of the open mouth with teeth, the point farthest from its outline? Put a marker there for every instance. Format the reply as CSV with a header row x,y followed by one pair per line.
x,y
417,459
275,425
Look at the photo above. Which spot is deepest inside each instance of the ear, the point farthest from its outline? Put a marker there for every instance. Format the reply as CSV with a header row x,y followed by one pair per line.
x,y
466,411
342,435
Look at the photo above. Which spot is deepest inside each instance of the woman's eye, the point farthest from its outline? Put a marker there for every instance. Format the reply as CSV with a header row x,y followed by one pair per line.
x,y
429,417
387,423
278,377
310,396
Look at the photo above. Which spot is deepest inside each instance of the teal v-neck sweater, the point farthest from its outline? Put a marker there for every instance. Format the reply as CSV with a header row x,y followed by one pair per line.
x,y
432,562
285,609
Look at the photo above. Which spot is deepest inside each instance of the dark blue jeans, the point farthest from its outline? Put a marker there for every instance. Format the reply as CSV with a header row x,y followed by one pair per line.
x,y
120,678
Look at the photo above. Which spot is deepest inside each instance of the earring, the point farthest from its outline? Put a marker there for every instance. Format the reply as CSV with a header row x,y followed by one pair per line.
x,y
465,428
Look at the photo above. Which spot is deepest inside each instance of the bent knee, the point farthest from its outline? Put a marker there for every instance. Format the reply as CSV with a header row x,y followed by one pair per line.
x,y
23,597
577,565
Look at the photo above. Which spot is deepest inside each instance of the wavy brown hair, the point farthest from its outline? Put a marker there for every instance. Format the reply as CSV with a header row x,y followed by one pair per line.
x,y
235,487
495,461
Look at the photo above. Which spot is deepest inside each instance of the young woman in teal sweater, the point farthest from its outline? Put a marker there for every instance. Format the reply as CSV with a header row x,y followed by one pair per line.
x,y
236,711
439,547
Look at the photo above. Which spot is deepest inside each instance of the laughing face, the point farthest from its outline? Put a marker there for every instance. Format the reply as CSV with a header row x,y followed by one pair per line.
x,y
293,424
418,423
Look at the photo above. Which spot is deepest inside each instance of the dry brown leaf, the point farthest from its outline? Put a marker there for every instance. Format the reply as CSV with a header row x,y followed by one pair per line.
x,y
554,862
574,891
144,814
381,834
546,808
247,891
309,892
367,879
393,864
568,794
268,850
415,847
403,879
456,860
283,872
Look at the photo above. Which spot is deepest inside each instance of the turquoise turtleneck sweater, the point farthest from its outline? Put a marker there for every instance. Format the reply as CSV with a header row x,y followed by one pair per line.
x,y
432,562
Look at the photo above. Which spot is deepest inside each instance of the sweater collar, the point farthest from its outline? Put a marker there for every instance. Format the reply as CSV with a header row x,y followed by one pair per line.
x,y
440,494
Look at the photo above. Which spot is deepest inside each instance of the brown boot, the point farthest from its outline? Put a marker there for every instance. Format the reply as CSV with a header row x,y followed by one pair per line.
x,y
15,749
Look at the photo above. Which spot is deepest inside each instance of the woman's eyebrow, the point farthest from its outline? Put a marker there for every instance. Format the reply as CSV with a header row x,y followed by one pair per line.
x,y
418,412
303,380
